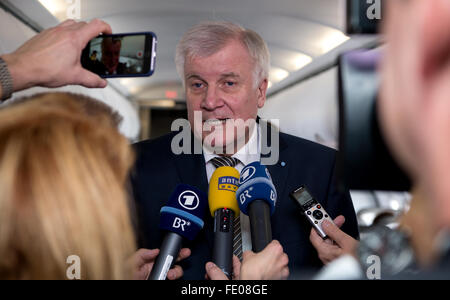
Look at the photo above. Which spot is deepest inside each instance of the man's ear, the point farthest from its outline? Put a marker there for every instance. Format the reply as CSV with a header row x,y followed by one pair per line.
x,y
262,90
435,48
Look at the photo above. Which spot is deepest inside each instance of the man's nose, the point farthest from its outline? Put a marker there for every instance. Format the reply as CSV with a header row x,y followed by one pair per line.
x,y
212,99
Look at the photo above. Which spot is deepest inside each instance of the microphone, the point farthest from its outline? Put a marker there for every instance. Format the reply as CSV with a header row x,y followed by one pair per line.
x,y
257,197
224,208
182,217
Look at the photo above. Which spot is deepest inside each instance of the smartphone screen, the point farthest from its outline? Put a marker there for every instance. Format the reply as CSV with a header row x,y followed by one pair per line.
x,y
121,55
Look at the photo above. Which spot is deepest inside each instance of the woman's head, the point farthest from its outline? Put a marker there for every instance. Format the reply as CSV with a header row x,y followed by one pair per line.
x,y
63,169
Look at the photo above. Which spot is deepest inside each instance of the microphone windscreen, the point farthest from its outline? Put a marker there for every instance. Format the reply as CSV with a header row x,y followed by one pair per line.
x,y
184,211
256,183
222,190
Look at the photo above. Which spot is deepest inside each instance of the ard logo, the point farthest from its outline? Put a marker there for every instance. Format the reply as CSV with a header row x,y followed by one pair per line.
x,y
246,174
228,183
189,200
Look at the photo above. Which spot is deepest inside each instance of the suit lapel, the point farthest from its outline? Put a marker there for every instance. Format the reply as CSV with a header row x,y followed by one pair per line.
x,y
279,178
192,170
278,171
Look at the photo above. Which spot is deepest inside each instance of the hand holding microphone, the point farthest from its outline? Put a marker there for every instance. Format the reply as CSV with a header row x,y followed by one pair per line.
x,y
143,261
182,217
257,198
224,208
269,264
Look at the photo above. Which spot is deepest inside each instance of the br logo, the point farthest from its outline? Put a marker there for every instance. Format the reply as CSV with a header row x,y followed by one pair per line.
x,y
180,223
243,197
228,183
247,173
189,200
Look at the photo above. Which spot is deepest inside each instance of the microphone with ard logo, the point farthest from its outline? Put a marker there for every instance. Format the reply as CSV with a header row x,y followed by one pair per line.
x,y
224,208
182,217
257,197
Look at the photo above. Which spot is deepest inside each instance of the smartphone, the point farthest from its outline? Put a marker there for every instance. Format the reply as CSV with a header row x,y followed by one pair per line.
x,y
121,55
312,209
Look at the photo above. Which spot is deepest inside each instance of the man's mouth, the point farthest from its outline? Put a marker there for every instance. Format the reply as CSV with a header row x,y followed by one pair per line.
x,y
216,122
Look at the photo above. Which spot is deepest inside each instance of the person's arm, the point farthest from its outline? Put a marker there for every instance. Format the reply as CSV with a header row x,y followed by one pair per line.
x,y
269,264
53,57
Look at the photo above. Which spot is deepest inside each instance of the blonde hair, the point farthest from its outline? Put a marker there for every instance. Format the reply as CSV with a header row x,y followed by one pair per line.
x,y
207,38
63,170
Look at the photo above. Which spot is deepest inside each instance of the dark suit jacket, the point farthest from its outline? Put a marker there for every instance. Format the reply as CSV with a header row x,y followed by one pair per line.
x,y
158,171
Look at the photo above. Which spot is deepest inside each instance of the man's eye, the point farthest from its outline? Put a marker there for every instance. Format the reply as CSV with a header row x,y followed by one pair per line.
x,y
197,85
230,83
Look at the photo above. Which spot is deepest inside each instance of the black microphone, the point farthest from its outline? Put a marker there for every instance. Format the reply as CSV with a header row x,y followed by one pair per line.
x,y
257,197
224,208
182,217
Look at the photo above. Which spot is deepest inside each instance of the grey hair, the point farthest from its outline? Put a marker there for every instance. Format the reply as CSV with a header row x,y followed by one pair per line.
x,y
207,38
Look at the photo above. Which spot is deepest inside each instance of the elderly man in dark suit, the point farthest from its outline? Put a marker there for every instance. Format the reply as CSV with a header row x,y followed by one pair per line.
x,y
224,68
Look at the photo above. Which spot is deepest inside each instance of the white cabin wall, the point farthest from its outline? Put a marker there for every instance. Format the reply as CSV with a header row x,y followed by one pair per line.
x,y
13,33
308,109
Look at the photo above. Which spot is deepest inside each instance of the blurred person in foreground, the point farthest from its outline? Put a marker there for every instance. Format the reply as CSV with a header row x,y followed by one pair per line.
x,y
63,170
414,112
415,109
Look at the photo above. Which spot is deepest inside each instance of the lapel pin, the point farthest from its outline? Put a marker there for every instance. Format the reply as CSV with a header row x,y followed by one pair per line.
x,y
283,164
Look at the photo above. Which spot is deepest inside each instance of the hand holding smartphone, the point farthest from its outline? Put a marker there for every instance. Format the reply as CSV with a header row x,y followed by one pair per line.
x,y
121,55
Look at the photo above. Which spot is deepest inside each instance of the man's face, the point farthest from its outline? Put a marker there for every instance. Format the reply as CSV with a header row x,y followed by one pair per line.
x,y
415,83
111,54
414,101
222,87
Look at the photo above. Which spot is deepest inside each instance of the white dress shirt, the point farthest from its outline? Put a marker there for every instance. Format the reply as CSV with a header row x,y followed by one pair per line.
x,y
251,152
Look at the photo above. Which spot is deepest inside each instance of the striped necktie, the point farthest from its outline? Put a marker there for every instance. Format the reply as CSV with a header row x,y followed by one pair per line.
x,y
223,161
